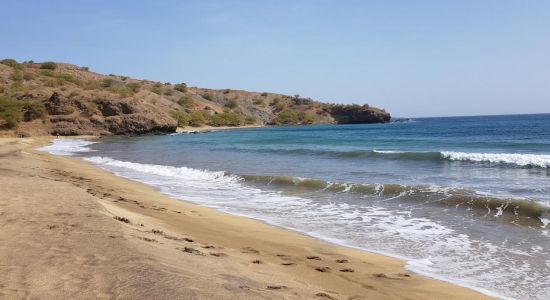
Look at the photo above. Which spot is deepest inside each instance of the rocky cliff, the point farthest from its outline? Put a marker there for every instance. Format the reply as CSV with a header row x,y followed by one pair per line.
x,y
63,99
358,114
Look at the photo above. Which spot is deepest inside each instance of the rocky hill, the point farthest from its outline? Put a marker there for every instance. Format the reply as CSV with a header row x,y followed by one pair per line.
x,y
63,99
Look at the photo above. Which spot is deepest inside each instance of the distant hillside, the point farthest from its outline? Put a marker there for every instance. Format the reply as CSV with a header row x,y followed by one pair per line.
x,y
63,99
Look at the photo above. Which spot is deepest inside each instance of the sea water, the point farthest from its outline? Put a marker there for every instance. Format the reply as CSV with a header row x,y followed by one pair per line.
x,y
463,199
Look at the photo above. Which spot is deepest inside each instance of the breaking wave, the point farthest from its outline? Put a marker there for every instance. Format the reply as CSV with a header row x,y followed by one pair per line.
x,y
456,197
67,147
523,160
511,159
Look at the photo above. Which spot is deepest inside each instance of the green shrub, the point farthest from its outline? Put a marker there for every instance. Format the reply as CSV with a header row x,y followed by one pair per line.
x,y
231,104
275,102
157,88
10,62
182,118
258,101
286,116
186,102
280,106
10,112
302,101
168,92
56,78
33,110
198,118
107,82
121,91
226,119
49,65
207,96
181,87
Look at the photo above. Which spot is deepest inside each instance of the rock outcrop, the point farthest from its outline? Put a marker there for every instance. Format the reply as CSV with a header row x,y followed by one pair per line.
x,y
358,114
103,116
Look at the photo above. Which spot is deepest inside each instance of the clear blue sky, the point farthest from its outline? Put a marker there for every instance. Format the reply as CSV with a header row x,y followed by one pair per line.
x,y
414,58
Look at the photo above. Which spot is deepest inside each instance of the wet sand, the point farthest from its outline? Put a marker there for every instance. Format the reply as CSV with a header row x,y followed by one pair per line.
x,y
71,230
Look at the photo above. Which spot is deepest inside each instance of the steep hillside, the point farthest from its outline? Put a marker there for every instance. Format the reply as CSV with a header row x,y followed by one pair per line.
x,y
64,99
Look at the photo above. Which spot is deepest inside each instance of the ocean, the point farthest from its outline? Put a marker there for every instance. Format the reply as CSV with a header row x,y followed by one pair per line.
x,y
462,199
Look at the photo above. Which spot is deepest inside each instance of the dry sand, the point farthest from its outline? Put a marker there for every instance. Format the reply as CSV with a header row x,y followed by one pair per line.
x,y
59,239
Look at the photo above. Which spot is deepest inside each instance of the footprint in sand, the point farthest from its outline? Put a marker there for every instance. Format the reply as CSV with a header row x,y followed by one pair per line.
x,y
191,251
276,287
322,269
249,250
325,296
347,270
313,257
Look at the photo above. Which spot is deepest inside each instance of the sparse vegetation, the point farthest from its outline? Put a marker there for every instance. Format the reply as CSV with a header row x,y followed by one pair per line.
x,y
16,75
250,120
231,104
29,76
157,88
14,111
12,63
288,116
226,119
207,96
134,86
198,118
259,102
33,110
182,118
10,112
53,79
49,65
186,102
80,92
302,101
107,82
181,87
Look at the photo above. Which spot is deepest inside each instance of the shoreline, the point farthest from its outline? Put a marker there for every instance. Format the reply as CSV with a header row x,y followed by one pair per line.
x,y
203,129
237,241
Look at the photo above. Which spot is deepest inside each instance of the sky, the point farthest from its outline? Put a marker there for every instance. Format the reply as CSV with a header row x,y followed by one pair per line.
x,y
413,58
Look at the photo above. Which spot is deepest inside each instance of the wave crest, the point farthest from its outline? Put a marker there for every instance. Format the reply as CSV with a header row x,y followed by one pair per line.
x,y
523,160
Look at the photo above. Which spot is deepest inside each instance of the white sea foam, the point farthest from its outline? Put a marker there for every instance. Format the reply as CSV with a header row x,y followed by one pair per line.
x,y
431,248
391,232
387,151
536,160
67,147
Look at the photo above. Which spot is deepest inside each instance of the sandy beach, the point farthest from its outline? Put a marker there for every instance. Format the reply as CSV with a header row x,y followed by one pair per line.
x,y
71,230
